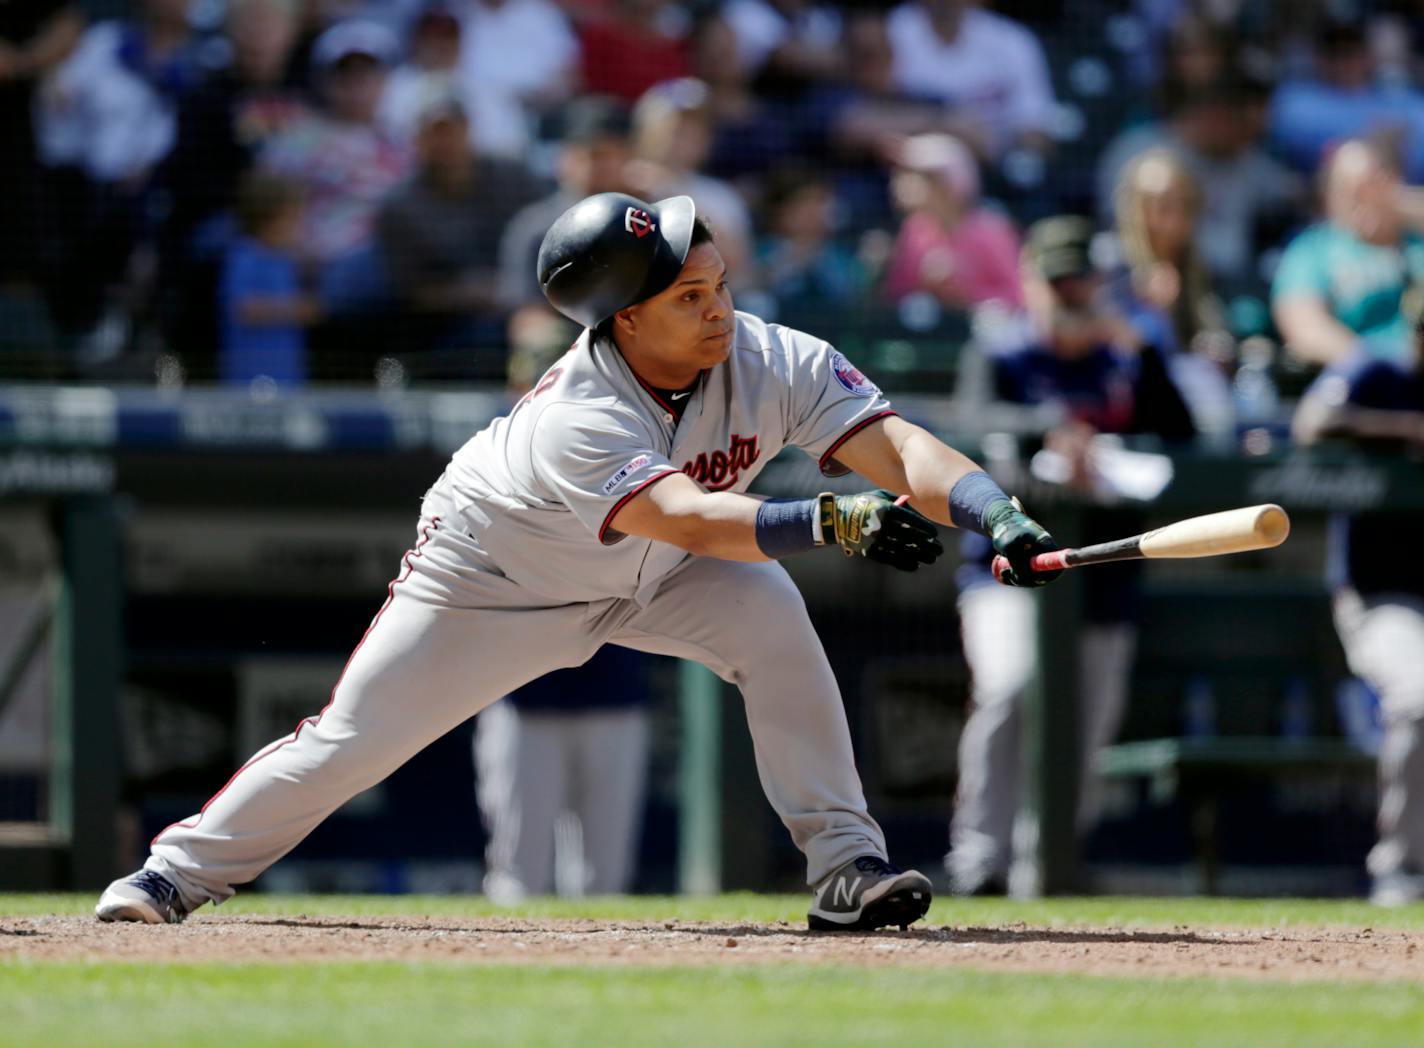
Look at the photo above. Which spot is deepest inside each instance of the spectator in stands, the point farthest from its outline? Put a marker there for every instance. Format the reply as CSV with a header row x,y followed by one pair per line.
x,y
498,126
802,266
1084,361
1345,99
753,133
1340,282
1379,598
672,139
346,162
1162,288
440,235
223,125
640,43
596,152
522,53
986,68
106,117
34,38
785,44
265,312
948,245
1248,199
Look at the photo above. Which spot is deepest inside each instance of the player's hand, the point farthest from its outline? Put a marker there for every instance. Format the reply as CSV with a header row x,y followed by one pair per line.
x,y
876,526
1017,537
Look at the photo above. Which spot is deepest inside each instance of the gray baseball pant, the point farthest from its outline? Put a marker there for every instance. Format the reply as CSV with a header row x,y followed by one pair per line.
x,y
452,637
999,627
1383,638
534,766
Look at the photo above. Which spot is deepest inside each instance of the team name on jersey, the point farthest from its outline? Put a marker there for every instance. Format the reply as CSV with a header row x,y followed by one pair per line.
x,y
720,470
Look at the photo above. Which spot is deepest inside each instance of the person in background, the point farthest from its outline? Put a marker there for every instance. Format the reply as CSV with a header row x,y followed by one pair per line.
x,y
340,155
1082,358
34,38
948,245
1340,282
433,69
595,154
223,125
802,266
1379,600
439,234
639,44
569,750
264,310
783,45
672,140
1345,99
105,118
521,53
986,68
1248,199
1162,288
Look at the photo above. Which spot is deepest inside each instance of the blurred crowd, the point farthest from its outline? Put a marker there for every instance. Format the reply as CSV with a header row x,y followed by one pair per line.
x,y
291,190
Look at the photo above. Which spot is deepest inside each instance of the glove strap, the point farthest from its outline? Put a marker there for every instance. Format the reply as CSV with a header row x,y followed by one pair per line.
x,y
826,519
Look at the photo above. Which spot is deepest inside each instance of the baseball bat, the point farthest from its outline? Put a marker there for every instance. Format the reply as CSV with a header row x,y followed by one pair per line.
x,y
1231,531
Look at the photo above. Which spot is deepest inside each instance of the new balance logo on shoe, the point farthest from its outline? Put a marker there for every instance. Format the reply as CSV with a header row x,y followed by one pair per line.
x,y
844,894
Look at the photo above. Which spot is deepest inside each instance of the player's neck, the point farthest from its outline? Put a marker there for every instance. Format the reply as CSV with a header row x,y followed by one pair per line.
x,y
656,372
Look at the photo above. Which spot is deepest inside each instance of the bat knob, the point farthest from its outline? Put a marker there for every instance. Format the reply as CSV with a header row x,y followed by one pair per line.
x,y
999,566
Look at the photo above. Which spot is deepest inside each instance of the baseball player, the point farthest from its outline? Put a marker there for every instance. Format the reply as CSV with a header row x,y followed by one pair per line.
x,y
609,506
1378,599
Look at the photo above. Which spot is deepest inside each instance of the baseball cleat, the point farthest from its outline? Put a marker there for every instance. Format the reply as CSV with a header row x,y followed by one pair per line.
x,y
869,893
145,897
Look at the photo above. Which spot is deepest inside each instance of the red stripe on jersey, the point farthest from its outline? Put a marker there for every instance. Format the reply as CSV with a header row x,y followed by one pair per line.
x,y
831,451
275,746
623,501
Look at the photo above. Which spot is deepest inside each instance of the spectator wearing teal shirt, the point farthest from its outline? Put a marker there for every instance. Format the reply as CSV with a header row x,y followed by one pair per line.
x,y
1341,281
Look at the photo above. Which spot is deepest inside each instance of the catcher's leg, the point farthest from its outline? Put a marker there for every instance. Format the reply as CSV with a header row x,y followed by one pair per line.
x,y
999,628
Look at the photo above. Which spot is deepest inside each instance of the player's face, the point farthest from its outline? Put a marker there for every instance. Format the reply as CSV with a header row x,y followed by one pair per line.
x,y
687,327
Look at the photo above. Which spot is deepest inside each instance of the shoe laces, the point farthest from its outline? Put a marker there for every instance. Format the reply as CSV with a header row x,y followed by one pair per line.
x,y
159,887
876,865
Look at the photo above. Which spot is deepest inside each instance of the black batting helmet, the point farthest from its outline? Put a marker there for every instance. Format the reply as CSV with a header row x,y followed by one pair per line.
x,y
610,251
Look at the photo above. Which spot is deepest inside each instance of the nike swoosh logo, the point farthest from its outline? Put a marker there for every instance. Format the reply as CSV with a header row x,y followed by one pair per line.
x,y
679,396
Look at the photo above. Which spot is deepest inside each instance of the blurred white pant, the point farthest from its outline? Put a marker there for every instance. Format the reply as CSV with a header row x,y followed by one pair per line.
x,y
532,768
1383,638
999,626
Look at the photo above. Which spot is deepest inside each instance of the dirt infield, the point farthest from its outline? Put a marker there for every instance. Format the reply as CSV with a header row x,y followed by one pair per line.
x,y
1294,953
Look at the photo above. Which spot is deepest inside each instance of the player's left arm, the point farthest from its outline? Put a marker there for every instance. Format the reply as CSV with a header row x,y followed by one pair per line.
x,y
949,488
900,456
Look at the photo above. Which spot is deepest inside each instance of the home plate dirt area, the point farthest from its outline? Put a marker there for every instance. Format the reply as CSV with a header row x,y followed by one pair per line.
x,y
1287,953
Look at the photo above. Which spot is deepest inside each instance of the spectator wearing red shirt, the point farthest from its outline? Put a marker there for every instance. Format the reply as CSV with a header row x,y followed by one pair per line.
x,y
641,43
948,245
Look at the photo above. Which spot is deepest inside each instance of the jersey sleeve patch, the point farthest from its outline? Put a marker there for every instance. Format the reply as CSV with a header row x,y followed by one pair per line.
x,y
851,378
624,472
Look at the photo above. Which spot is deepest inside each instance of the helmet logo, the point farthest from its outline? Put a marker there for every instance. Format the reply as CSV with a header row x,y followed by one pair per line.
x,y
638,222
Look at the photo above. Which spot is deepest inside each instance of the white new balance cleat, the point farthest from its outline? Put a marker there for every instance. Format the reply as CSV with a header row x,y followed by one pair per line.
x,y
869,893
145,896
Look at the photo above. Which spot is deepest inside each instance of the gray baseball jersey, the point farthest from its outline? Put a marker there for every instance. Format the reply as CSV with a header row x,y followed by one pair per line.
x,y
517,571
542,485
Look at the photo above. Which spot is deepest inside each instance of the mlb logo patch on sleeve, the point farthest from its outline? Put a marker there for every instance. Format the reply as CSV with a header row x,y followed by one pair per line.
x,y
631,467
849,376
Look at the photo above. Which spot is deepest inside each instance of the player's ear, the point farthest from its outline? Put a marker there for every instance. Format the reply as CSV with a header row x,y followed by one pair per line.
x,y
627,319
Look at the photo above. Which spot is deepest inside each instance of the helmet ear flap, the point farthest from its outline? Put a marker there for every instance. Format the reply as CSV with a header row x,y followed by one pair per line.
x,y
610,251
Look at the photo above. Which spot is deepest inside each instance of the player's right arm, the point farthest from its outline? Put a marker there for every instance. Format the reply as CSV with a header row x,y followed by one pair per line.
x,y
677,511
731,526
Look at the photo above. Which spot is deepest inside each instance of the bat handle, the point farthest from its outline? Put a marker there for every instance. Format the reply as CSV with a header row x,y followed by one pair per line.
x,y
1057,560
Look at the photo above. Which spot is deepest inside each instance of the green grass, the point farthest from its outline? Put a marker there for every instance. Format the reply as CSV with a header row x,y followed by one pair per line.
x,y
357,1004
746,907
354,1005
